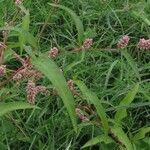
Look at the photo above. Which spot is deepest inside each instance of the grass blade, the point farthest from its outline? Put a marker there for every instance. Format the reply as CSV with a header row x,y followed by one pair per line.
x,y
122,113
131,62
109,72
141,134
98,139
52,72
122,137
76,20
70,66
10,106
92,98
27,35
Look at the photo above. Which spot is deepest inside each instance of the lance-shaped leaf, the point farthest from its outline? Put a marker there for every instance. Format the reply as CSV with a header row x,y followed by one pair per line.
x,y
122,137
53,73
141,133
93,99
11,106
98,139
76,20
122,113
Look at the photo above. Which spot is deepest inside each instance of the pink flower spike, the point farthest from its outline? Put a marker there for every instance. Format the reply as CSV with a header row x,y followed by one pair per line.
x,y
70,85
2,70
18,2
53,52
33,90
87,43
144,44
123,42
80,114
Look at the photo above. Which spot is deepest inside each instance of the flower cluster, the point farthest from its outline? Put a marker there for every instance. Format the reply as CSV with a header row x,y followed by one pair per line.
x,y
70,85
87,43
32,90
18,2
2,70
53,52
123,42
80,114
144,44
26,71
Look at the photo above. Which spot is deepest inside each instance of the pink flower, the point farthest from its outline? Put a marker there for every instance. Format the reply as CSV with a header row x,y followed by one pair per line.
x,y
87,43
80,114
26,70
26,73
2,70
144,44
33,90
70,85
53,52
123,42
18,2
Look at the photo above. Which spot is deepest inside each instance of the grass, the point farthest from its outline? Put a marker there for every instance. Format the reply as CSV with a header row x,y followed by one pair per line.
x,y
109,73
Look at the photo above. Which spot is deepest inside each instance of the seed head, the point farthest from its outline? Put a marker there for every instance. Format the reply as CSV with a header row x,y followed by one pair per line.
x,y
53,52
18,2
87,43
123,42
144,44
80,114
2,70
33,90
70,85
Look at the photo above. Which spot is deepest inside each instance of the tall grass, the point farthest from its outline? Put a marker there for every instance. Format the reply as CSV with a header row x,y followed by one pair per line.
x,y
108,104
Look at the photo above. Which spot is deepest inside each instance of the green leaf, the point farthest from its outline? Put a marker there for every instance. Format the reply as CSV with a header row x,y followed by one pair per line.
x,y
27,35
24,26
92,98
76,20
53,73
26,22
98,139
70,66
122,137
141,133
10,106
122,113
8,54
3,146
131,62
109,72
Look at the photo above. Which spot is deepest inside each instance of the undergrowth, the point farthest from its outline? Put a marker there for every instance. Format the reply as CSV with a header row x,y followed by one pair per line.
x,y
74,74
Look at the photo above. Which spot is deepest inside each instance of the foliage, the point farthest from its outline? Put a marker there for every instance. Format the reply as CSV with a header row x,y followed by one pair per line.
x,y
95,98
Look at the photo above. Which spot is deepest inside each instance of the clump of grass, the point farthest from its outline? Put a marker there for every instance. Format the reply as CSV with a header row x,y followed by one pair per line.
x,y
95,77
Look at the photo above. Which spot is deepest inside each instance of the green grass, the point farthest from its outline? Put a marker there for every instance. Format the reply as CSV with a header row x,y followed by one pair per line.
x,y
107,73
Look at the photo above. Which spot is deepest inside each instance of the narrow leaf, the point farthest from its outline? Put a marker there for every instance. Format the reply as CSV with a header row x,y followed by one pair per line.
x,y
131,62
53,73
109,72
141,134
26,22
122,137
122,113
76,20
98,139
70,66
92,98
28,36
10,106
